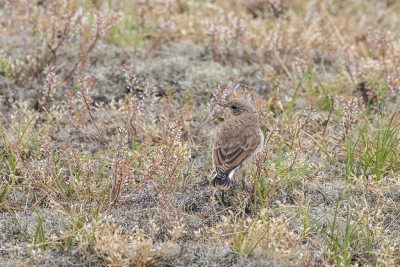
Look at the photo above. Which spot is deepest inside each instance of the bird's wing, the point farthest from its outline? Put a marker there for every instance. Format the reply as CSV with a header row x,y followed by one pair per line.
x,y
230,152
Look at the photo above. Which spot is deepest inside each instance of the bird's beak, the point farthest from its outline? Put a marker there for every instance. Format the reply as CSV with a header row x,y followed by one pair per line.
x,y
222,104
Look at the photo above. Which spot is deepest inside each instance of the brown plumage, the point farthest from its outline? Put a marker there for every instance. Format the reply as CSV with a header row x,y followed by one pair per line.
x,y
237,140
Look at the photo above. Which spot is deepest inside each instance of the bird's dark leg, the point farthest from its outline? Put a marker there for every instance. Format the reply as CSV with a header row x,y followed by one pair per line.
x,y
212,208
243,181
223,196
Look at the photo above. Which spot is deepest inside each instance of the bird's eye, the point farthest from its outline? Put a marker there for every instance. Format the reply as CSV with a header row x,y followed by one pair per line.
x,y
234,107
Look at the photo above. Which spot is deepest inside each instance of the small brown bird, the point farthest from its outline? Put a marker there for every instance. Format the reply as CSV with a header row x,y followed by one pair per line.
x,y
237,141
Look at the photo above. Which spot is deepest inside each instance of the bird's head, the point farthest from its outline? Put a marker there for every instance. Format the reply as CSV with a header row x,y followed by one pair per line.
x,y
239,106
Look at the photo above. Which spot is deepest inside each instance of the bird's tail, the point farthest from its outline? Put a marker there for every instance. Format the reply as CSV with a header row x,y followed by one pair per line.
x,y
221,183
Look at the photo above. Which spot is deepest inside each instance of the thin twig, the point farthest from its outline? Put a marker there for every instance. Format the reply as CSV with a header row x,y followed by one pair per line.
x,y
91,47
329,116
92,120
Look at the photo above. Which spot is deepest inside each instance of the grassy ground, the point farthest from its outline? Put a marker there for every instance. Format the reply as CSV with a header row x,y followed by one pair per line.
x,y
108,111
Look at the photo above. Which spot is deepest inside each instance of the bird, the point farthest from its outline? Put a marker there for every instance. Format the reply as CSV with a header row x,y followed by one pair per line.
x,y
236,143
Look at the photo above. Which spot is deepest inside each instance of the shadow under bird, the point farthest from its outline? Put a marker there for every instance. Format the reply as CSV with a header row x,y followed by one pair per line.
x,y
237,141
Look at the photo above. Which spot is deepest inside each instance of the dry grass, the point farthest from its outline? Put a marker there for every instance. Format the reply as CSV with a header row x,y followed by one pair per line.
x,y
108,109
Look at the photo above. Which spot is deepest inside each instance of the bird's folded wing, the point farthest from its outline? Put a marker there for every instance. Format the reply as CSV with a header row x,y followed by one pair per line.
x,y
229,153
